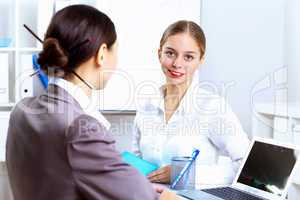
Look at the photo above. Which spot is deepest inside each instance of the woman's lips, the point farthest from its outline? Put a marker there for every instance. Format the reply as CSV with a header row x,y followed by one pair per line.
x,y
175,74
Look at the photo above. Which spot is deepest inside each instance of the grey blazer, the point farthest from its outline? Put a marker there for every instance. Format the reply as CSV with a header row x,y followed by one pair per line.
x,y
55,151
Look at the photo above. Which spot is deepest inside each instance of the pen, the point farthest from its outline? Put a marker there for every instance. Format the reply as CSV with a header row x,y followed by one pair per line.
x,y
186,168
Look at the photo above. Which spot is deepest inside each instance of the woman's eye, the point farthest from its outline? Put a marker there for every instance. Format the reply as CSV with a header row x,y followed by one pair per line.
x,y
188,58
170,54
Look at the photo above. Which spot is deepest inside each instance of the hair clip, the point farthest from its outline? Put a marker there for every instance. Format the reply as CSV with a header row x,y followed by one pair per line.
x,y
41,41
32,33
35,73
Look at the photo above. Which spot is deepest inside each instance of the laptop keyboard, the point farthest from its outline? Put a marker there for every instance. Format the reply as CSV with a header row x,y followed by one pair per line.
x,y
229,193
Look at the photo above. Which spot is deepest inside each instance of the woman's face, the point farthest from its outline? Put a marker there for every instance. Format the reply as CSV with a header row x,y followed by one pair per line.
x,y
179,58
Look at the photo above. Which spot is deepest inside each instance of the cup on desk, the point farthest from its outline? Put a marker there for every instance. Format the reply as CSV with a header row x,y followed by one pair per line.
x,y
188,179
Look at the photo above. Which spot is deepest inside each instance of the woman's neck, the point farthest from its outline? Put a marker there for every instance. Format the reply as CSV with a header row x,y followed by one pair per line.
x,y
173,97
176,92
73,79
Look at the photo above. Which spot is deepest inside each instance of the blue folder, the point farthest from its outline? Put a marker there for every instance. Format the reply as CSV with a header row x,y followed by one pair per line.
x,y
42,76
143,166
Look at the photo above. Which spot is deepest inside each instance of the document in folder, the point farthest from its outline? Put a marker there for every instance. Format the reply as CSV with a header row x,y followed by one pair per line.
x,y
143,166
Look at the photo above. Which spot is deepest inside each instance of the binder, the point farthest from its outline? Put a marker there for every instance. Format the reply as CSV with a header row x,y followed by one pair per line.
x,y
26,81
141,165
42,76
4,85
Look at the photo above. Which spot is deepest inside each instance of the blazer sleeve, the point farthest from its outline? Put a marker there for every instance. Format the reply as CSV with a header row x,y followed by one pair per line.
x,y
98,169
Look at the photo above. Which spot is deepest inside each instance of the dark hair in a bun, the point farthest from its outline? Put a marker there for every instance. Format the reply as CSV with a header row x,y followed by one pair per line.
x,y
64,47
52,55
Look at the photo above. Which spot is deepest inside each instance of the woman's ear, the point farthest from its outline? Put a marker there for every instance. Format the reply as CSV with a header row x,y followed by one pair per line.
x,y
202,60
101,55
159,53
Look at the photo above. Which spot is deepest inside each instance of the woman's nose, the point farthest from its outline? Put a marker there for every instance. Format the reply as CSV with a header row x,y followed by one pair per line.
x,y
178,63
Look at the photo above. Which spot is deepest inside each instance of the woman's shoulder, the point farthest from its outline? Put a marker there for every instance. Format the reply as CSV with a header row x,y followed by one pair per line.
x,y
203,100
86,127
35,112
25,105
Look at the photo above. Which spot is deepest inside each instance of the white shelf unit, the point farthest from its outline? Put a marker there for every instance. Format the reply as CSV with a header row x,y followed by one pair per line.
x,y
7,49
7,104
14,14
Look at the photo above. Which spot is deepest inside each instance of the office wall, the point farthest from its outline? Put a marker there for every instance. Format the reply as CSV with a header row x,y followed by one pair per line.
x,y
292,49
245,42
121,128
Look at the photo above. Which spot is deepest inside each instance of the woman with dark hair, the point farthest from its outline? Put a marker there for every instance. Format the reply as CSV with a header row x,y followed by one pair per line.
x,y
58,147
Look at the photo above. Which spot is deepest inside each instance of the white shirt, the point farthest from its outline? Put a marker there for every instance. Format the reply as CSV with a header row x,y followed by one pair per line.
x,y
87,104
202,120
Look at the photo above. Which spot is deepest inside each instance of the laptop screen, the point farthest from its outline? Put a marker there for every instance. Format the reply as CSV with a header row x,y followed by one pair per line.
x,y
268,167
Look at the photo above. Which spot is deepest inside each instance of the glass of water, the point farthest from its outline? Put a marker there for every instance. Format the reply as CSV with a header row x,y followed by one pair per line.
x,y
187,181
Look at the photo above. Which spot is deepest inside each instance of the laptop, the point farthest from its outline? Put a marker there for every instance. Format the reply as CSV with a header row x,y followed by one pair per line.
x,y
266,173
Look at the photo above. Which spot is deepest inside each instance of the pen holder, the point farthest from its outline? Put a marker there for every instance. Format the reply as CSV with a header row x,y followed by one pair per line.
x,y
188,179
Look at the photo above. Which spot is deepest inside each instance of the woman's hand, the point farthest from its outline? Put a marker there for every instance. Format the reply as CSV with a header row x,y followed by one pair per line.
x,y
162,175
169,195
159,188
